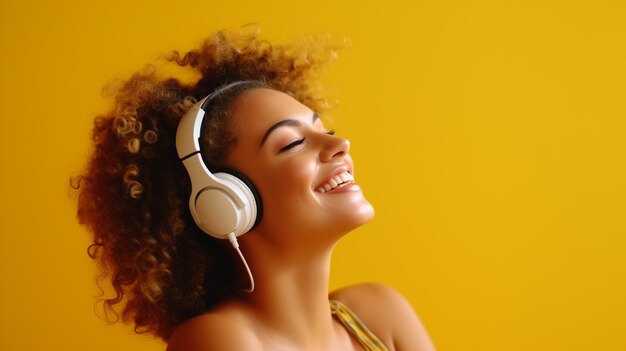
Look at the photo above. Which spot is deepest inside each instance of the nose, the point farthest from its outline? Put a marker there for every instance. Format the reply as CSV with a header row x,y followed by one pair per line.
x,y
334,148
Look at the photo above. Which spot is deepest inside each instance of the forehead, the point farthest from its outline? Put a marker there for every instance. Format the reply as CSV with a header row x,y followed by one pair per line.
x,y
255,111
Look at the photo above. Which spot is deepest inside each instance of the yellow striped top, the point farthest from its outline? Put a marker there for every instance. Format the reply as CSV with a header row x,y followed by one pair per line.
x,y
354,325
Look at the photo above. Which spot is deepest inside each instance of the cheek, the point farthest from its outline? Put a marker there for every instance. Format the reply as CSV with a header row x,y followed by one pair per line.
x,y
285,185
291,178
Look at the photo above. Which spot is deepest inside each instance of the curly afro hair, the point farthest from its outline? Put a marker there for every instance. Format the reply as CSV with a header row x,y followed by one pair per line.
x,y
133,195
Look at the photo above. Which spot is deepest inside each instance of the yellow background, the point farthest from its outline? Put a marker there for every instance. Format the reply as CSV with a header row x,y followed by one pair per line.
x,y
489,135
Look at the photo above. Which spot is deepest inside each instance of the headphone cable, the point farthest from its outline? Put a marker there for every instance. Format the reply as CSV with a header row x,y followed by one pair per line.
x,y
233,241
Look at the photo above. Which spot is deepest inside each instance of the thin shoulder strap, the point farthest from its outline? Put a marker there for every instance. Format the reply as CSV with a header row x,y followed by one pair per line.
x,y
369,341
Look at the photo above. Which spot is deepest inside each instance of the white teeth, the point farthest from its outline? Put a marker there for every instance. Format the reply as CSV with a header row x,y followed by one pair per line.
x,y
335,181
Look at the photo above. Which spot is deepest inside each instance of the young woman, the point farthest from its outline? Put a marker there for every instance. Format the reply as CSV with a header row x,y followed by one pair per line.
x,y
266,288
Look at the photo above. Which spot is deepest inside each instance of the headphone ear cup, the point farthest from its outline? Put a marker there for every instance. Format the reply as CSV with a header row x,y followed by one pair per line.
x,y
216,211
251,193
231,205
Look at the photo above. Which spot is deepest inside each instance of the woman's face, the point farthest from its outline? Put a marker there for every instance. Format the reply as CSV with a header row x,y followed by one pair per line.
x,y
303,173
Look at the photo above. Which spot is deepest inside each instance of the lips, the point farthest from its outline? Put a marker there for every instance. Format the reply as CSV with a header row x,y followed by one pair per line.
x,y
336,181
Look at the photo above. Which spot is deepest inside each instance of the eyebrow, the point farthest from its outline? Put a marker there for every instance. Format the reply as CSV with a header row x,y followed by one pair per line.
x,y
285,123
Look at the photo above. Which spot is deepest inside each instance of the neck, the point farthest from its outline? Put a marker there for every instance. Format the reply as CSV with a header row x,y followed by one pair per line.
x,y
291,293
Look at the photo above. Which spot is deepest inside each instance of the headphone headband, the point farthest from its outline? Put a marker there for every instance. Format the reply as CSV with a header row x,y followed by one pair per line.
x,y
191,123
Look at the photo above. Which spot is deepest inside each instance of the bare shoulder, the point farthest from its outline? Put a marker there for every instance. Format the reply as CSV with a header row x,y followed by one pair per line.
x,y
388,314
213,331
375,302
366,293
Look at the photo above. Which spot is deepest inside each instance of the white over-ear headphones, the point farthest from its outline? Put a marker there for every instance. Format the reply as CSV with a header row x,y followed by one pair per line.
x,y
220,203
225,204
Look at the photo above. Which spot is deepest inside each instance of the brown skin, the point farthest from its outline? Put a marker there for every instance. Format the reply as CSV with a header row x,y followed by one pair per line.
x,y
289,252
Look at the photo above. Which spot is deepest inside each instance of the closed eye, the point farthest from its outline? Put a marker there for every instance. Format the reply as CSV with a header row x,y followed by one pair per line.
x,y
290,145
300,141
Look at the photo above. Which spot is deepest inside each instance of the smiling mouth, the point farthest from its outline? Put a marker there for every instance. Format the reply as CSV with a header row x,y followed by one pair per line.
x,y
337,181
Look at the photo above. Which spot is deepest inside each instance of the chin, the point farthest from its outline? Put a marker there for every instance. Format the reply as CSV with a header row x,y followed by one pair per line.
x,y
356,217
365,213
